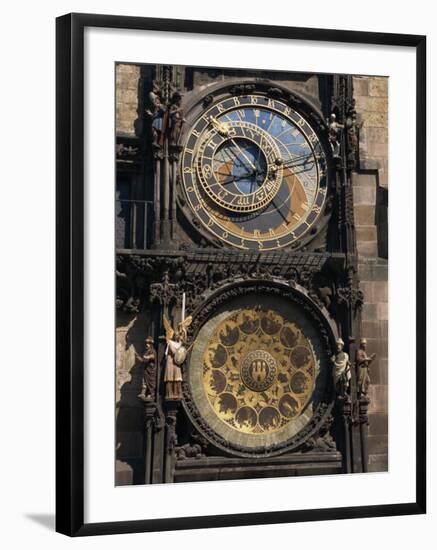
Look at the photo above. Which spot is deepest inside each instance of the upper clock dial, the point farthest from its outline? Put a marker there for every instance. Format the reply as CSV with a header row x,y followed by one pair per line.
x,y
254,172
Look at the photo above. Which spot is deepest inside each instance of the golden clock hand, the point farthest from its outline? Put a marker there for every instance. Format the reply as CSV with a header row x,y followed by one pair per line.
x,y
244,155
228,151
219,126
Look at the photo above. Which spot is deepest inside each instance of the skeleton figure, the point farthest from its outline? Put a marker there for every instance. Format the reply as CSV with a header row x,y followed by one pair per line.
x,y
334,135
362,363
176,354
176,118
342,369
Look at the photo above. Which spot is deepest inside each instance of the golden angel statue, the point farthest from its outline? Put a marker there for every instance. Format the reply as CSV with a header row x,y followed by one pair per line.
x,y
176,354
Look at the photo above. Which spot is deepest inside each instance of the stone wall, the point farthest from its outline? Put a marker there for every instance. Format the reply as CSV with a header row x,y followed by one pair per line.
x,y
127,81
371,202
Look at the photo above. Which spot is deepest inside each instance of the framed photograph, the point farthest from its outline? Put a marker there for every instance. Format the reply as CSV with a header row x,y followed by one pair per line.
x,y
240,274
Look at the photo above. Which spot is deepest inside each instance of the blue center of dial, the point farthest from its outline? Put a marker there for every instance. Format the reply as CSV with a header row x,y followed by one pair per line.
x,y
243,164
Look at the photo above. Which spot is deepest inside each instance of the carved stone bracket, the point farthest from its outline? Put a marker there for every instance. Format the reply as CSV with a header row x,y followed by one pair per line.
x,y
351,297
322,440
124,151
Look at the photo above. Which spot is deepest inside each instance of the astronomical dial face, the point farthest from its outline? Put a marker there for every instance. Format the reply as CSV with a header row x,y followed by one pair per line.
x,y
254,173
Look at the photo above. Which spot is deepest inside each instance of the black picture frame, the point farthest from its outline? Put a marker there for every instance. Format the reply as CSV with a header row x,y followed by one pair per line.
x,y
70,273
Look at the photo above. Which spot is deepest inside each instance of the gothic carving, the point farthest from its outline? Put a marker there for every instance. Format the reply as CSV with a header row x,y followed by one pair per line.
x,y
351,297
322,440
164,278
240,89
171,438
189,451
124,151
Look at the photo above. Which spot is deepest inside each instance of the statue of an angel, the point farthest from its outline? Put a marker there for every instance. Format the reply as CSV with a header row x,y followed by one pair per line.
x,y
176,354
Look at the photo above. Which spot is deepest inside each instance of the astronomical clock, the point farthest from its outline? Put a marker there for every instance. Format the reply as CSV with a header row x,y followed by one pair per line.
x,y
254,173
246,260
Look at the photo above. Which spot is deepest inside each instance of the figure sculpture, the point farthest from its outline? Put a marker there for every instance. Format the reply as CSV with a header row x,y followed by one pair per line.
x,y
158,116
362,363
148,390
334,135
176,354
342,369
176,118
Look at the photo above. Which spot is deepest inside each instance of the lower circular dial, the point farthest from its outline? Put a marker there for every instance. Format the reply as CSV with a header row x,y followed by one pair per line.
x,y
255,372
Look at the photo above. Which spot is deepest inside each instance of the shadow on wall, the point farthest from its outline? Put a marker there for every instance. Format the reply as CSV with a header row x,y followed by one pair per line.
x,y
381,221
129,409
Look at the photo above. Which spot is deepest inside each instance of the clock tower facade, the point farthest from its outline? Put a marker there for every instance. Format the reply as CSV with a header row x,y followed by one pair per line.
x,y
244,224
